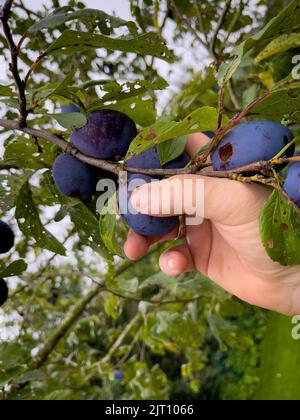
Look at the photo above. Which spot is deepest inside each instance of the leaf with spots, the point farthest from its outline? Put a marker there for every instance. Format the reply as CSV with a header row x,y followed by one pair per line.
x,y
149,43
202,119
108,224
29,222
86,225
280,230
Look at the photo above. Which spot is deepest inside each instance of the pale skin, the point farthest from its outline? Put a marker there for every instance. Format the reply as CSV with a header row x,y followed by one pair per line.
x,y
226,247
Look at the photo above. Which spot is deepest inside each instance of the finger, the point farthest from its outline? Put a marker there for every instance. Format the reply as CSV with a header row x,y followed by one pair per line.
x,y
195,142
220,200
136,246
176,261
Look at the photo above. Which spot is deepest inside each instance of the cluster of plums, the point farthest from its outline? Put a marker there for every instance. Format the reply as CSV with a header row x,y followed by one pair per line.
x,y
108,135
7,241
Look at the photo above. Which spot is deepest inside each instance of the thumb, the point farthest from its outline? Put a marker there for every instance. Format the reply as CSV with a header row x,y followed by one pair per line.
x,y
220,200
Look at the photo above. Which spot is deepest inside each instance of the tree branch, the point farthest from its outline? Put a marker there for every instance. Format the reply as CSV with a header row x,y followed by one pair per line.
x,y
20,85
212,45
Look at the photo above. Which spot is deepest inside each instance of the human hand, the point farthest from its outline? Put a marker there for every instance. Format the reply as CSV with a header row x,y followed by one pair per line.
x,y
226,247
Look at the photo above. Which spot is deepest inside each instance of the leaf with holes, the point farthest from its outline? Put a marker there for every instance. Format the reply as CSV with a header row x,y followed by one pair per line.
x,y
145,44
92,17
202,119
30,224
280,230
14,269
108,224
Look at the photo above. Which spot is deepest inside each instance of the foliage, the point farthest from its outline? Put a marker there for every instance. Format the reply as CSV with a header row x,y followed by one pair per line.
x,y
77,312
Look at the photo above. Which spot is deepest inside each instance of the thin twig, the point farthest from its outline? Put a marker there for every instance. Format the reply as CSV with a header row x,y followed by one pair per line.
x,y
212,44
20,85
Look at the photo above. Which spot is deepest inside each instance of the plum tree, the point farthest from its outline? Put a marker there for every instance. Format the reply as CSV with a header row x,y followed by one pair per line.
x,y
3,292
150,160
140,223
292,182
107,135
7,238
69,108
250,142
74,178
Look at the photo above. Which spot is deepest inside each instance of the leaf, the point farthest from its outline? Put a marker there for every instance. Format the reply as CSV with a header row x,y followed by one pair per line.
x,y
11,354
278,45
30,224
284,22
145,44
171,149
32,375
70,120
280,230
14,269
94,16
6,91
23,152
111,306
281,104
86,225
201,119
108,224
139,109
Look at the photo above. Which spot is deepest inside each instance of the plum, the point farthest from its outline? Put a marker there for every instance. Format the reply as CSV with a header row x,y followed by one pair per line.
x,y
292,182
3,292
7,238
209,134
150,160
143,224
107,135
69,108
250,142
74,178
118,375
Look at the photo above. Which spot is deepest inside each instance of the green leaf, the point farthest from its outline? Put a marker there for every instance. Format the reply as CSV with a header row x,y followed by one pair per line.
x,y
108,224
278,45
32,375
6,91
23,152
14,269
86,225
11,354
145,44
138,108
280,230
282,103
284,22
70,120
94,17
30,224
59,395
171,149
201,119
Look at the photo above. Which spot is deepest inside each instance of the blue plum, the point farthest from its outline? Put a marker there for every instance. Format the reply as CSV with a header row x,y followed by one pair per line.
x,y
140,223
7,238
118,375
292,182
3,292
209,134
250,142
150,160
74,178
69,108
107,135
